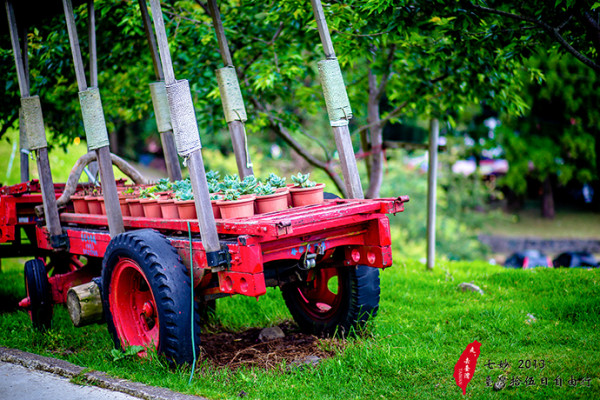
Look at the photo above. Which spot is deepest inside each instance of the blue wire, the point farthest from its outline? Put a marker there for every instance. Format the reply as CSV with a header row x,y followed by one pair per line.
x,y
192,297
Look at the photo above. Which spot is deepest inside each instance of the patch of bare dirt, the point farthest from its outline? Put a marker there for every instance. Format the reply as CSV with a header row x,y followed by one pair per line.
x,y
235,349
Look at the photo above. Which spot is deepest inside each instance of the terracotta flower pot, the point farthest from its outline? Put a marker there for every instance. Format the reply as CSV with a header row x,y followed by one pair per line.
x,y
102,205
168,208
124,207
244,207
307,196
151,208
186,209
93,205
135,208
79,204
277,201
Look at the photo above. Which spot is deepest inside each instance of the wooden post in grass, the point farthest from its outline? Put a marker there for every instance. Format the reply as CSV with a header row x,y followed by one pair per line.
x,y
166,132
338,106
229,87
95,128
187,137
434,130
34,128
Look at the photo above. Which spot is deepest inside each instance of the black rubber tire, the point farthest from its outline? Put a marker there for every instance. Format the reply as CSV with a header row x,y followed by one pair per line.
x,y
40,295
169,283
358,291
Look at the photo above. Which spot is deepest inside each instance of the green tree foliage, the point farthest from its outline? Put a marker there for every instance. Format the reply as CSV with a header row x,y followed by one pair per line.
x,y
554,142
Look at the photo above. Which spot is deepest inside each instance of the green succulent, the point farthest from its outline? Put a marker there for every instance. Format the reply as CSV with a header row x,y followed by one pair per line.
x,y
264,190
163,185
276,181
213,176
301,180
231,194
184,195
213,187
248,185
229,182
147,193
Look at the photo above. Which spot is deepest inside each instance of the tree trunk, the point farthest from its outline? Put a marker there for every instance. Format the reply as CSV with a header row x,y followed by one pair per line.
x,y
547,199
376,133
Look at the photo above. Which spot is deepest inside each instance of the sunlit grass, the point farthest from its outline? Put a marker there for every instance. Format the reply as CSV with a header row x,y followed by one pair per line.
x,y
408,351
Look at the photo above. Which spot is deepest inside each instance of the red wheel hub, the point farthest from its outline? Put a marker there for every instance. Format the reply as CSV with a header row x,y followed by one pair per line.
x,y
316,295
133,306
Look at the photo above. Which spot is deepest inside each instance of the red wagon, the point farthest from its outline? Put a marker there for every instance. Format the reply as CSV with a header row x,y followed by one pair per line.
x,y
149,277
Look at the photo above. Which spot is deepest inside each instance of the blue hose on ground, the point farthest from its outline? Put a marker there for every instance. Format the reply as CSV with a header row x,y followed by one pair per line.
x,y
192,304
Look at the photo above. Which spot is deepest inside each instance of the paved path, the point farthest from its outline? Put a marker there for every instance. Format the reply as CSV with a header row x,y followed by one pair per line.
x,y
20,383
27,376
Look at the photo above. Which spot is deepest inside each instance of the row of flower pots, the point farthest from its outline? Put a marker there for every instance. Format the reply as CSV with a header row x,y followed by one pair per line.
x,y
176,201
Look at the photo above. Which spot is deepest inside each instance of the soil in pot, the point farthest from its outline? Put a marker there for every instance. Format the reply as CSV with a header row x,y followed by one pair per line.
x,y
307,196
244,207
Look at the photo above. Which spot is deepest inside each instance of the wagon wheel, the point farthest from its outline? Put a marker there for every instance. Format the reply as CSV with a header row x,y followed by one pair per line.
x,y
39,294
146,295
334,300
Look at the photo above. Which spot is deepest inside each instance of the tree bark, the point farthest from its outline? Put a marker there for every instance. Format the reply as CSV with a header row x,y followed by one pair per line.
x,y
376,133
547,199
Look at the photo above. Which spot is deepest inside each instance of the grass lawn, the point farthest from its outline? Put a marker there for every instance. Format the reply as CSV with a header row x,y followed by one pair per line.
x,y
408,351
568,223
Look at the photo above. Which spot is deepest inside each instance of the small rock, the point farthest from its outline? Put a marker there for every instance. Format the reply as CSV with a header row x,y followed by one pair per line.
x,y
530,319
271,333
469,286
300,363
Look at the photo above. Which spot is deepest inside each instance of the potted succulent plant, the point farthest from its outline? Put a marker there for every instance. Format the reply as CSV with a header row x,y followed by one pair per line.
x,y
135,207
233,206
125,194
163,188
93,201
306,192
268,199
184,199
149,203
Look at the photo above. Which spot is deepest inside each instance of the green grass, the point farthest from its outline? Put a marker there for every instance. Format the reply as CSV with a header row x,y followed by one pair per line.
x,y
409,350
568,223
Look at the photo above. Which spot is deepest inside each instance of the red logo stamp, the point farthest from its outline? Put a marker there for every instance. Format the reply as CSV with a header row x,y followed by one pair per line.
x,y
465,367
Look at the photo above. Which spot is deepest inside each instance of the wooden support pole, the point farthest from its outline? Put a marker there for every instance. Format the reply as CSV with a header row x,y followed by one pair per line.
x,y
109,186
206,220
237,131
92,44
45,175
220,31
167,139
93,167
340,133
23,151
434,129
